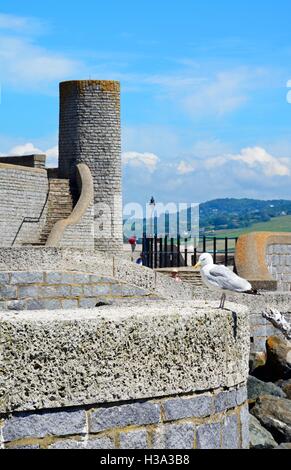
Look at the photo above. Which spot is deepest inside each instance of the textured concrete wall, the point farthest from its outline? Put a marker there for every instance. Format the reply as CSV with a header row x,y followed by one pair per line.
x,y
278,259
35,259
159,376
23,193
90,133
53,290
260,328
76,357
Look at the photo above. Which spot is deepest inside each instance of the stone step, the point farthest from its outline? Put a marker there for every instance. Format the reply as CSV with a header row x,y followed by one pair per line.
x,y
60,205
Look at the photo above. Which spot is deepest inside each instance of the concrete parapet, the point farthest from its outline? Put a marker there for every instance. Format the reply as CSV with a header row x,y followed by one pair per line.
x,y
66,259
157,376
73,357
260,328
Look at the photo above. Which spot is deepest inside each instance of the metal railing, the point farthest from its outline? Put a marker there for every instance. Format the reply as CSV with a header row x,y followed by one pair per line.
x,y
184,252
32,220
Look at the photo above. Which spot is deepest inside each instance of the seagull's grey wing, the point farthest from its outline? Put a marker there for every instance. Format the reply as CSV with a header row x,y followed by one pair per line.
x,y
228,280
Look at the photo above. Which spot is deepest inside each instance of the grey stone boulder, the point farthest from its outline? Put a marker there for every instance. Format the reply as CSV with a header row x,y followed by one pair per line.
x,y
285,385
257,359
274,414
278,363
257,388
286,445
260,438
287,390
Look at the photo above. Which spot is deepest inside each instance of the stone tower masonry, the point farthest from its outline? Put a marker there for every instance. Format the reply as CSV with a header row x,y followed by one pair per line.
x,y
90,133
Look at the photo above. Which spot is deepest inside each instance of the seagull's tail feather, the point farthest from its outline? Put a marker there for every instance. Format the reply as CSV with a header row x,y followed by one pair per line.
x,y
252,292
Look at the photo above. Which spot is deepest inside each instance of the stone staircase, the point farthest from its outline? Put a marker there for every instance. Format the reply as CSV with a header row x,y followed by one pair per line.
x,y
60,205
187,275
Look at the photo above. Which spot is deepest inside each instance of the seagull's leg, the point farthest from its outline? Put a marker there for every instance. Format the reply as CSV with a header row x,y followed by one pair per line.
x,y
220,306
222,301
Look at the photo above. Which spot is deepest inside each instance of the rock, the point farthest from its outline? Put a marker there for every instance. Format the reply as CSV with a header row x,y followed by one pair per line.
x,y
286,387
287,390
279,357
260,438
278,363
257,388
274,414
286,445
256,360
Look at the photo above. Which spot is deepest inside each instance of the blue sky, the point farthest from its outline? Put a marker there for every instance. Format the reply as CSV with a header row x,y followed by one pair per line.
x,y
204,89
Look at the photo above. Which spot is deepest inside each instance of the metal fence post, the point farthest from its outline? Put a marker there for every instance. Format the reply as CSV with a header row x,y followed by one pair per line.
x,y
226,251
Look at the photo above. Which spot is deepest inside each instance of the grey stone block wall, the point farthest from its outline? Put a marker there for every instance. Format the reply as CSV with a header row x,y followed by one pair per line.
x,y
261,329
66,259
90,133
278,258
23,193
80,235
62,290
166,423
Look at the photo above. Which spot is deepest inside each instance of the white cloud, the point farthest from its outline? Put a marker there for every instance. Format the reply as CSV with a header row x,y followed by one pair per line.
x,y
199,90
256,159
26,65
210,148
30,149
185,168
223,94
160,140
53,152
140,160
20,24
25,149
215,162
52,156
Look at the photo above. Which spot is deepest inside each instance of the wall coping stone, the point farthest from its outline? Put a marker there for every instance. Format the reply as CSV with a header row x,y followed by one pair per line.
x,y
9,166
117,353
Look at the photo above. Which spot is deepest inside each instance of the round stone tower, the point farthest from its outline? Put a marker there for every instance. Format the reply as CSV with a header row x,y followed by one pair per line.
x,y
90,133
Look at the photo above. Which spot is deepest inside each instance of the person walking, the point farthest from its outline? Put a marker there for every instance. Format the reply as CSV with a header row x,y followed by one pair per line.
x,y
132,241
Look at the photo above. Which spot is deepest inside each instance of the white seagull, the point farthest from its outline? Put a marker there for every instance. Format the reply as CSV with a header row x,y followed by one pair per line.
x,y
218,277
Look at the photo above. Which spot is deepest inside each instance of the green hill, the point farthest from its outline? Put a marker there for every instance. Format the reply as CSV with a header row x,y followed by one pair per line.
x,y
278,224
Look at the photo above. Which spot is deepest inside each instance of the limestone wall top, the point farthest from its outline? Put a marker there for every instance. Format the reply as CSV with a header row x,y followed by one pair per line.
x,y
73,357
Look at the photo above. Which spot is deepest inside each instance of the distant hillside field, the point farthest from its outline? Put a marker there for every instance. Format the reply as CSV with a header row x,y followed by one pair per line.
x,y
233,217
278,224
236,216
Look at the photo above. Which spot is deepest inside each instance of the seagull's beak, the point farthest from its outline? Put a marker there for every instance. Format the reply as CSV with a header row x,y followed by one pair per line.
x,y
198,265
